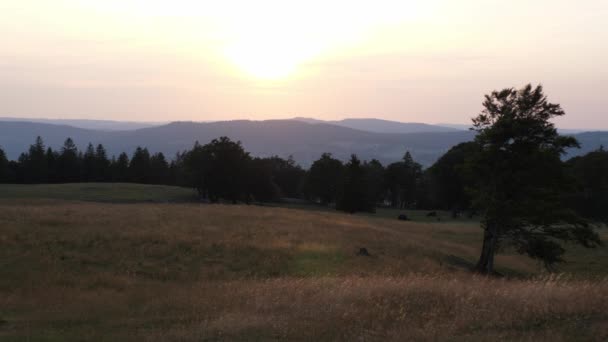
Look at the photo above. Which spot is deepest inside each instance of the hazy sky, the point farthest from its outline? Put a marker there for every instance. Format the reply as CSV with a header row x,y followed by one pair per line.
x,y
425,61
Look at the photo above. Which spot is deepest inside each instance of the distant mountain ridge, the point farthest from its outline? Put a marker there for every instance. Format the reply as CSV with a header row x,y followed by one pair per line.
x,y
104,125
304,141
382,126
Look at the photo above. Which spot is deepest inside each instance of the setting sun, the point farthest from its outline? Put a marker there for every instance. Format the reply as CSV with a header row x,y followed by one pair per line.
x,y
272,39
269,39
270,52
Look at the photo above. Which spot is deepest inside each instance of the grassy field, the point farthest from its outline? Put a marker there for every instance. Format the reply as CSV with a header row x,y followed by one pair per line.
x,y
98,192
100,271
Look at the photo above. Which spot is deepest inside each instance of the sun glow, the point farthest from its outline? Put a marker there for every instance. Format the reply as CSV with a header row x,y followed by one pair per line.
x,y
273,39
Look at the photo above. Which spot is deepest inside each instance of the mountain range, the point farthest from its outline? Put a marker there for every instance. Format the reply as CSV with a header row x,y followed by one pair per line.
x,y
386,126
103,125
303,139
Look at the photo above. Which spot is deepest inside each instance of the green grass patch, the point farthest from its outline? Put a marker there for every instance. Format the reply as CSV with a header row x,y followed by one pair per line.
x,y
316,263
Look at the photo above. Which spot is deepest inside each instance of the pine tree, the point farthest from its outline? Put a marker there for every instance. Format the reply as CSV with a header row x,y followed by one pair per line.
x,y
89,163
52,165
102,164
120,168
402,181
34,163
68,168
159,169
139,167
356,194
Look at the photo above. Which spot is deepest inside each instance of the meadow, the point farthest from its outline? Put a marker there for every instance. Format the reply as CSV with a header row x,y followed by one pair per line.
x,y
151,266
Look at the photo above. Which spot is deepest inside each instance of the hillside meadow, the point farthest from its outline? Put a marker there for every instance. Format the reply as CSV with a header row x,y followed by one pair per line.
x,y
95,270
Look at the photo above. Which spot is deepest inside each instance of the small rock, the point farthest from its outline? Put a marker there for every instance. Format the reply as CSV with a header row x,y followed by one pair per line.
x,y
363,252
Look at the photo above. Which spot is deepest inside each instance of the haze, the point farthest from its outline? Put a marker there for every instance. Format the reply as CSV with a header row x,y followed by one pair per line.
x,y
421,61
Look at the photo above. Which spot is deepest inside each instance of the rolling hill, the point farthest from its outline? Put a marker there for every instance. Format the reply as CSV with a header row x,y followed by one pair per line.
x,y
383,126
103,125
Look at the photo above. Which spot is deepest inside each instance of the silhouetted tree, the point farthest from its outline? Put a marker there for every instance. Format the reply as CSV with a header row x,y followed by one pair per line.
x,y
52,161
324,179
218,170
225,176
102,165
34,163
287,175
195,168
402,180
120,168
159,169
177,172
520,179
374,173
260,184
89,164
356,194
139,167
68,163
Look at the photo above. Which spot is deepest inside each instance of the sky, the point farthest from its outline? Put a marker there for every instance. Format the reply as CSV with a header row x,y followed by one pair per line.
x,y
413,61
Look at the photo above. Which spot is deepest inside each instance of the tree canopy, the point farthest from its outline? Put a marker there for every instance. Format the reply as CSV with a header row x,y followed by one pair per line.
x,y
520,182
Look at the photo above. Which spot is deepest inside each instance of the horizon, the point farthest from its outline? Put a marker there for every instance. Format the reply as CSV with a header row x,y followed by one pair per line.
x,y
185,60
455,125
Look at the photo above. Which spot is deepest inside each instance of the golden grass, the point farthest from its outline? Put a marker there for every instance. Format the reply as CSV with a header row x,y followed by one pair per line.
x,y
86,271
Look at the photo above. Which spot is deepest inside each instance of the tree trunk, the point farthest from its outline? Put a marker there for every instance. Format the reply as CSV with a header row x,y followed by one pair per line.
x,y
485,265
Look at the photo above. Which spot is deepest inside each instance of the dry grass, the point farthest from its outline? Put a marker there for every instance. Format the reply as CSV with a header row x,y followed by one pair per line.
x,y
85,271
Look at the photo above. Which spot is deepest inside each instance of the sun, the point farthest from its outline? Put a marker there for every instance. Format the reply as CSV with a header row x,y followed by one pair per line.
x,y
272,46
265,61
264,39
271,57
274,39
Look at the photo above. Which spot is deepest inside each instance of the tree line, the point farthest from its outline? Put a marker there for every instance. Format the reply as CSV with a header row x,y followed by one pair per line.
x,y
41,164
223,171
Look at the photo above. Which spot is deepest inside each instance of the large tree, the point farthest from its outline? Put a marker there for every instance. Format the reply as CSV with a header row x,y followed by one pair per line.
x,y
324,179
34,163
52,165
102,164
219,170
374,173
402,181
356,194
159,169
260,183
120,168
139,166
287,175
89,164
521,180
68,163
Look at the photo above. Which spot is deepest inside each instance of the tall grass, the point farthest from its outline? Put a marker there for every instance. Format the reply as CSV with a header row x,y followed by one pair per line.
x,y
86,271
